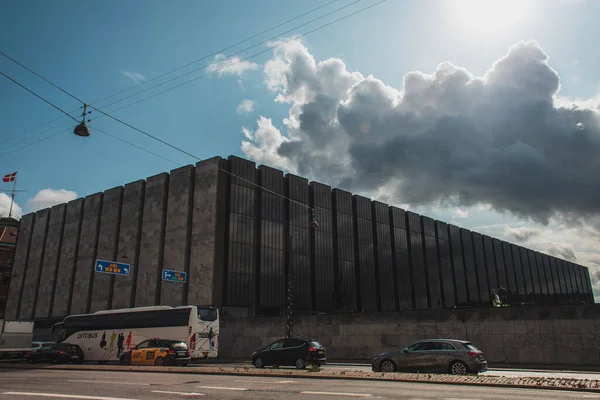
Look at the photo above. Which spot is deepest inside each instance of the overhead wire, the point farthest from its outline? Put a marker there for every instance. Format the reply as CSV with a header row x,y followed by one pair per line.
x,y
231,56
37,95
184,151
170,72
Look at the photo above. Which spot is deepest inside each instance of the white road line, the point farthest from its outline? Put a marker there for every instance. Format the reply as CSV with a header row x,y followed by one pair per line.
x,y
339,394
261,381
65,396
179,393
221,388
108,382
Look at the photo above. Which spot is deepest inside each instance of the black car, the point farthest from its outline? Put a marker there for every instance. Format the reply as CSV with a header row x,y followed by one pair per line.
x,y
56,353
298,352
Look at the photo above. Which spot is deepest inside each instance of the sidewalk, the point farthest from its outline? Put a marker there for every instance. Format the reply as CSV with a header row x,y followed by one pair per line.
x,y
580,385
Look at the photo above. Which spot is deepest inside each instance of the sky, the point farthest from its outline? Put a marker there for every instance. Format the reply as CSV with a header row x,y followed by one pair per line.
x,y
479,113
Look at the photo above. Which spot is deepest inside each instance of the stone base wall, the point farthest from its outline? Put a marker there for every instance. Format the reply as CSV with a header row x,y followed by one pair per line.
x,y
540,335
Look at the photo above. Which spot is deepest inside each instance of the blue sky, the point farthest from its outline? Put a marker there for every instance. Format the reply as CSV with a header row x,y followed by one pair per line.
x,y
95,49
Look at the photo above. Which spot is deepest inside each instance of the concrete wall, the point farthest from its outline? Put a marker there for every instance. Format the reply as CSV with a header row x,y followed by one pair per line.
x,y
172,221
552,335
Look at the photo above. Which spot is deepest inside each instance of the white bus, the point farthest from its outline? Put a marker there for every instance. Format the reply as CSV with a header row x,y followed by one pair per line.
x,y
105,335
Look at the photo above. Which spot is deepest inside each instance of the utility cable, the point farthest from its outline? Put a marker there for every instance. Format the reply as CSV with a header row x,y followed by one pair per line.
x,y
40,97
170,72
186,152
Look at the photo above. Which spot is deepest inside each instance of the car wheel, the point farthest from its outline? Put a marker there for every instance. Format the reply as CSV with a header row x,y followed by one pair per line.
x,y
259,362
300,363
458,368
125,360
159,361
387,366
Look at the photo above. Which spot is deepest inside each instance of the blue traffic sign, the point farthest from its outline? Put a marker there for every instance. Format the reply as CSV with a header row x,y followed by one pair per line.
x,y
174,276
112,267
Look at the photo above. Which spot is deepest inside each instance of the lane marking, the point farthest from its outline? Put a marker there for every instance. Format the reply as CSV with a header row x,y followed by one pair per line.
x,y
108,382
65,396
261,381
221,388
179,393
339,394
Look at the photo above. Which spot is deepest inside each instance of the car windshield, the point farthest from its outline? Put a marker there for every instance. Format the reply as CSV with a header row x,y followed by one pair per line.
x,y
471,347
72,348
315,344
178,345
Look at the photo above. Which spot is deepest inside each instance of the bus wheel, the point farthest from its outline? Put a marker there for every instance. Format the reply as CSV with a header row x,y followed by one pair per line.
x,y
159,361
125,360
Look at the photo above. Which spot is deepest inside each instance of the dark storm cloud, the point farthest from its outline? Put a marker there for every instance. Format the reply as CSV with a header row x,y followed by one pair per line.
x,y
500,139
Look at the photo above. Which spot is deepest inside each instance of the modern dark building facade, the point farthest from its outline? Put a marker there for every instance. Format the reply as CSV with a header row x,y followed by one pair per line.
x,y
238,231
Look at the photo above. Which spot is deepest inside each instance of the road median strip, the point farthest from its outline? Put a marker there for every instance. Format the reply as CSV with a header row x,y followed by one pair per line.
x,y
583,385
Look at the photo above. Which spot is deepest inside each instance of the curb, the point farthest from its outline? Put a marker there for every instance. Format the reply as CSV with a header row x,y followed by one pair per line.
x,y
294,374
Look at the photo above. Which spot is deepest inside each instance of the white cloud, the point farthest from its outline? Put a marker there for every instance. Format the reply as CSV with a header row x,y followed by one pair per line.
x,y
17,211
246,106
136,77
231,66
460,213
49,197
521,234
445,136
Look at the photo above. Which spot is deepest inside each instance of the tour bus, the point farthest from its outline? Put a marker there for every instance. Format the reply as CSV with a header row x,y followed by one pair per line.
x,y
105,335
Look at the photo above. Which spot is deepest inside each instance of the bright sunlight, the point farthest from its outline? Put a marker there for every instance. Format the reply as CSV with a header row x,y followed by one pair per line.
x,y
490,15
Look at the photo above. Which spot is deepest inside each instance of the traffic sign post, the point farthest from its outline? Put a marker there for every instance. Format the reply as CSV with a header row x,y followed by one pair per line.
x,y
112,267
174,276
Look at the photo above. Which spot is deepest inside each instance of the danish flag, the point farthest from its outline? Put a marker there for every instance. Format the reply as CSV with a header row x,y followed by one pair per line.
x,y
9,177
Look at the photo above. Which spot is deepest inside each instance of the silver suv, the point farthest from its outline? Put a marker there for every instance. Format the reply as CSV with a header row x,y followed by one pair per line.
x,y
457,357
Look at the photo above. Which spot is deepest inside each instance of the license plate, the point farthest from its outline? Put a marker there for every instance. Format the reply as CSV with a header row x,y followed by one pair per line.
x,y
181,353
74,356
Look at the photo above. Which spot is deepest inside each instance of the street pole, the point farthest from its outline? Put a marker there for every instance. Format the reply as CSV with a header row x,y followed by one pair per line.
x,y
289,323
12,196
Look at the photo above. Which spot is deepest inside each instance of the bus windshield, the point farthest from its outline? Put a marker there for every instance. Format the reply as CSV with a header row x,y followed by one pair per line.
x,y
207,314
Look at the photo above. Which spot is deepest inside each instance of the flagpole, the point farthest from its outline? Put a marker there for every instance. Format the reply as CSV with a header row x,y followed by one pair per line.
x,y
12,197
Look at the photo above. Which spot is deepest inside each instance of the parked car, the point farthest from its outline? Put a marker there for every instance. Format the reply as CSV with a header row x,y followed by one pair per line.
x,y
158,352
297,352
457,357
56,353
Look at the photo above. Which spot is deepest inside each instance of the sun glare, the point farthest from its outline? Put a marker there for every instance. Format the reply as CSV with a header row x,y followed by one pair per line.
x,y
490,15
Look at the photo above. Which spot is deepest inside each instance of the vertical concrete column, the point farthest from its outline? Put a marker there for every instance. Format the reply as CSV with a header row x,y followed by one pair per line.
x,y
177,234
207,231
242,238
344,251
34,266
19,270
368,288
271,269
384,256
519,275
469,263
51,261
128,246
431,261
417,260
107,248
445,259
299,242
86,255
63,288
324,265
147,286
482,278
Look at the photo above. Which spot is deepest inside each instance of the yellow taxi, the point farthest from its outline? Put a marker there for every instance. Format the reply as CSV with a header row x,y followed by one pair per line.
x,y
157,352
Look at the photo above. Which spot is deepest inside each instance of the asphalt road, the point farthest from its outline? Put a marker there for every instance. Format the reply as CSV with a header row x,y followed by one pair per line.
x,y
93,385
